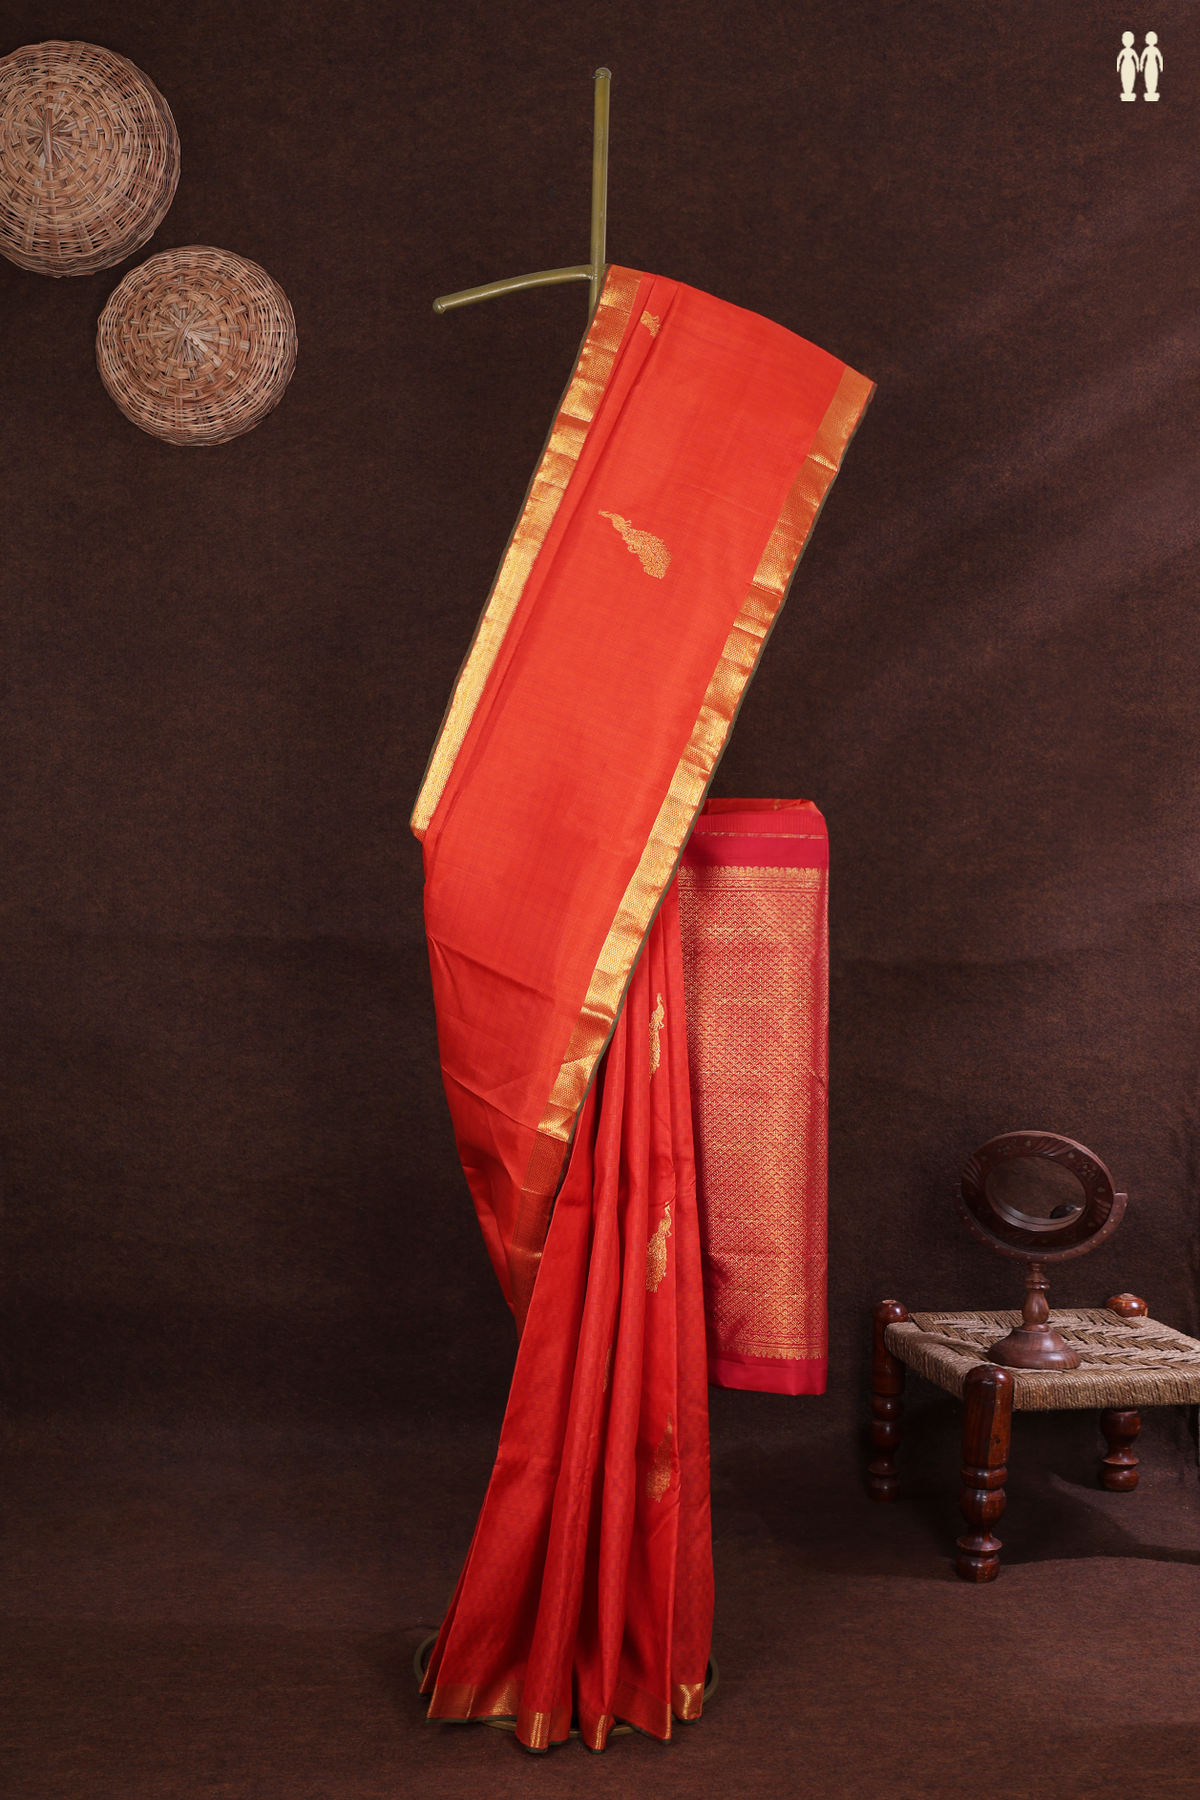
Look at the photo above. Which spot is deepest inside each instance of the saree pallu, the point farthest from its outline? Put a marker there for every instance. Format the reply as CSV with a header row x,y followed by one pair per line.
x,y
690,456
753,887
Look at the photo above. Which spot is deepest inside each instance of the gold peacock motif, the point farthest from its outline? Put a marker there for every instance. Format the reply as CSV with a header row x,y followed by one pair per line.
x,y
651,552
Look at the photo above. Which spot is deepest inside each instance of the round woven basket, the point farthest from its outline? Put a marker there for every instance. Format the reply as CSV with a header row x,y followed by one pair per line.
x,y
89,158
197,345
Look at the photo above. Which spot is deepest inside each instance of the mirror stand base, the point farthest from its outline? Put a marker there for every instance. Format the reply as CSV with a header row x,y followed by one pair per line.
x,y
1034,1347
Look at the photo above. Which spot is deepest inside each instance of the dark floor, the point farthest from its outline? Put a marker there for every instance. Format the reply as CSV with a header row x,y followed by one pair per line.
x,y
234,1612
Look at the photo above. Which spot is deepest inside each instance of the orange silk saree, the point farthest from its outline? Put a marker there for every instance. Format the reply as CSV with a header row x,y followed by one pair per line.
x,y
690,456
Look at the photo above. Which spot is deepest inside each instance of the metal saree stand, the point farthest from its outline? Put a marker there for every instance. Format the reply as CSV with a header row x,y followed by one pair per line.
x,y
592,271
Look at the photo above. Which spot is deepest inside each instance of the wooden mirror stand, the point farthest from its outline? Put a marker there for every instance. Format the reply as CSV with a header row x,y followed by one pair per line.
x,y
1077,1208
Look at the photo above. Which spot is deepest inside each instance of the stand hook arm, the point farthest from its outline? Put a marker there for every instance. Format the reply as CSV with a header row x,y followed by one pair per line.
x,y
592,272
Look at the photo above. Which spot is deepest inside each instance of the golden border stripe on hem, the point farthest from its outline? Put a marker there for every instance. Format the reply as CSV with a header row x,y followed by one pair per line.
x,y
687,1699
471,1700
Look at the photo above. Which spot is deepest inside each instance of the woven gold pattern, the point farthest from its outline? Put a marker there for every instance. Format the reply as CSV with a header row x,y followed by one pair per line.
x,y
658,1477
658,1019
89,158
757,1021
650,551
196,346
656,1254
1126,1362
650,322
687,1699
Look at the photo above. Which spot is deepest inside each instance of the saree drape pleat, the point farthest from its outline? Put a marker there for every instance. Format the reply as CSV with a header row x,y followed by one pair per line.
x,y
587,1591
691,454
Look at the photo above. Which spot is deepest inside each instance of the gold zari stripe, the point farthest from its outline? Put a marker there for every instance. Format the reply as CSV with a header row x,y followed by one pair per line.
x,y
471,1700
549,484
687,1699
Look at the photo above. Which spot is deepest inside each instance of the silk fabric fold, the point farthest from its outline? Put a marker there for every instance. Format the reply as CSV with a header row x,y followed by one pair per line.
x,y
587,1591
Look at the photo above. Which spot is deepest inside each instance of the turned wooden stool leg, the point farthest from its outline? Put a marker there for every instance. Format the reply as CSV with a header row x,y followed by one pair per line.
x,y
987,1428
887,1404
1118,1471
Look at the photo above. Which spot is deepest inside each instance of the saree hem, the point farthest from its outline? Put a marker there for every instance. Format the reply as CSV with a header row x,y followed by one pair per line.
x,y
455,1701
542,1731
769,1374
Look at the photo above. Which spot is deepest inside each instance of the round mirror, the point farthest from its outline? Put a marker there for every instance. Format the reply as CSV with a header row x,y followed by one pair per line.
x,y
1036,1194
1039,1197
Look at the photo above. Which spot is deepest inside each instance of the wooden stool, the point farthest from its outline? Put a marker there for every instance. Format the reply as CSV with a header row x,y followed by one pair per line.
x,y
1127,1360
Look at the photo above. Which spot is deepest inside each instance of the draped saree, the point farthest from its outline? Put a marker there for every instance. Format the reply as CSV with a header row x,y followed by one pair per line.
x,y
691,453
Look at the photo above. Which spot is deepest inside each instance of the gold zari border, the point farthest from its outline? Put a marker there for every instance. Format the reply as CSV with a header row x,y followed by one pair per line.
x,y
559,458
471,1700
723,874
642,897
687,1699
538,1730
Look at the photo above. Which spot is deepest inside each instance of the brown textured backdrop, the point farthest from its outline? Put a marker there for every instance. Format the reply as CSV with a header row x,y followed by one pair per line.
x,y
232,1200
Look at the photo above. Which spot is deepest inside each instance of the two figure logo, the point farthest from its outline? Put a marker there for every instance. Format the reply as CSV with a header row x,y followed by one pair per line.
x,y
1148,65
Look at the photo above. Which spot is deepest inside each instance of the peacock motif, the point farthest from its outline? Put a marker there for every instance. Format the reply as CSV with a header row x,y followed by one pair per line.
x,y
656,1253
658,1476
658,1019
651,552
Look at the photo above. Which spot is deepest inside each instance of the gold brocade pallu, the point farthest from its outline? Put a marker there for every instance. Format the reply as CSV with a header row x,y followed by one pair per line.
x,y
754,924
603,1027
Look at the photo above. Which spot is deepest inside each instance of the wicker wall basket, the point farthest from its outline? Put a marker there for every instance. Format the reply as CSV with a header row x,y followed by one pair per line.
x,y
197,345
89,158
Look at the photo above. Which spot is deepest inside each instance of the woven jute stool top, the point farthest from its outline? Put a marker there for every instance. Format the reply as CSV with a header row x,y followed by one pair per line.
x,y
1125,1362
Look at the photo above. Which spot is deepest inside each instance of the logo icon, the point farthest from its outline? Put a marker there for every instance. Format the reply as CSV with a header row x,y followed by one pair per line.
x,y
1148,64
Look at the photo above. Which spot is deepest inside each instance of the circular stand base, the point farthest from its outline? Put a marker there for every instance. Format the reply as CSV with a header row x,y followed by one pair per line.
x,y
1034,1347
